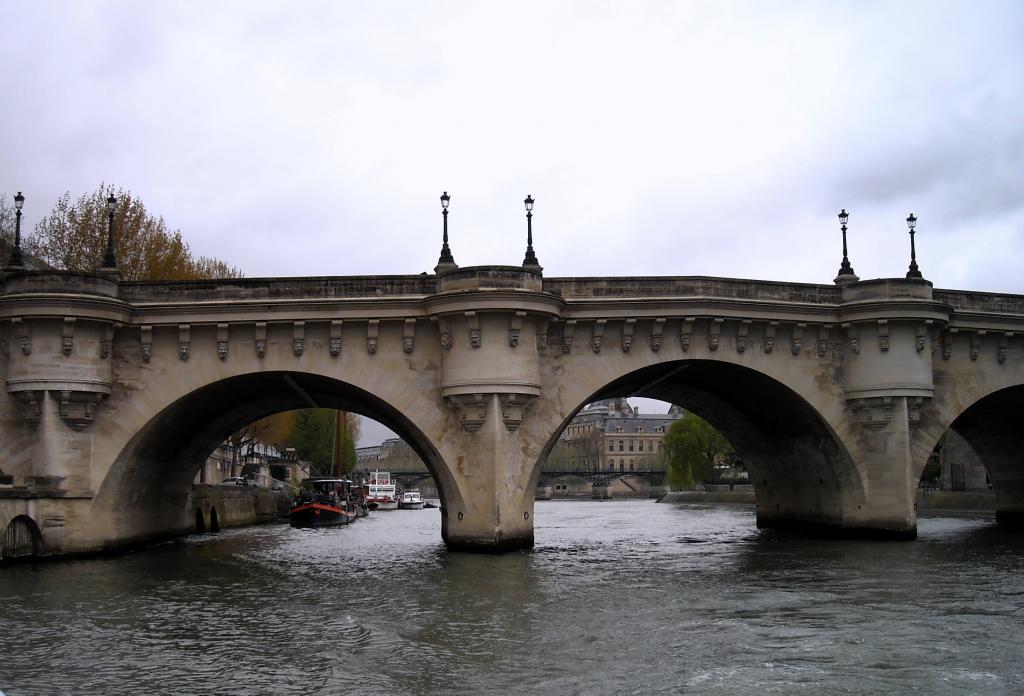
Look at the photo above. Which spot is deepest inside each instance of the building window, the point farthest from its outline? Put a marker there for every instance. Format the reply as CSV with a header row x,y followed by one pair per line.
x,y
630,445
611,446
622,465
621,446
641,446
631,465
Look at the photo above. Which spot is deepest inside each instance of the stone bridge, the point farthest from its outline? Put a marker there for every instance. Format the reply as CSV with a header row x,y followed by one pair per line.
x,y
833,395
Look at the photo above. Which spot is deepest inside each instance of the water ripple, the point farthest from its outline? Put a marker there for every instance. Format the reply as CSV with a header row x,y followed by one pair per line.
x,y
618,597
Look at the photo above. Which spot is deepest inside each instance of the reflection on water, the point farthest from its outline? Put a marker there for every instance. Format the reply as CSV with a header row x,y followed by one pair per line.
x,y
617,597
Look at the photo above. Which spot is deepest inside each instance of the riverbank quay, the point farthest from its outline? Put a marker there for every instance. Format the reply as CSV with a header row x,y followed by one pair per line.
x,y
929,503
206,508
215,507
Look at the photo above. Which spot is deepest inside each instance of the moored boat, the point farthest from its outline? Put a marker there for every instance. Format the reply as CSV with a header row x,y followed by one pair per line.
x,y
410,500
380,492
324,502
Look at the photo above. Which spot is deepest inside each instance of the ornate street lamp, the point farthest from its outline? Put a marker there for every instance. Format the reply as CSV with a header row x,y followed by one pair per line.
x,y
110,260
913,272
446,253
16,260
845,269
531,258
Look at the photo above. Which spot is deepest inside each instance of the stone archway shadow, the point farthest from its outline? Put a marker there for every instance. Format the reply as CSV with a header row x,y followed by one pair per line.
x,y
800,469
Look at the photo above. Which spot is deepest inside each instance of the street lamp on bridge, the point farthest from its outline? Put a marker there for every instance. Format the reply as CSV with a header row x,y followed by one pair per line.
x,y
110,260
531,258
913,272
16,260
845,269
446,260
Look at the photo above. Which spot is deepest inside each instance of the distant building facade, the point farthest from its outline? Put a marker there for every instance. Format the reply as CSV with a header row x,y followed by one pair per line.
x,y
393,455
612,436
265,464
962,470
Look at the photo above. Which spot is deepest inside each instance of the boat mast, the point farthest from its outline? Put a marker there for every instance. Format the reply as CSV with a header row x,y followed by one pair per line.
x,y
344,441
335,459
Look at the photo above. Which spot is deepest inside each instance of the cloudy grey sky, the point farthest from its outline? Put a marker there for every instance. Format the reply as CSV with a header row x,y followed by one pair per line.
x,y
661,138
707,138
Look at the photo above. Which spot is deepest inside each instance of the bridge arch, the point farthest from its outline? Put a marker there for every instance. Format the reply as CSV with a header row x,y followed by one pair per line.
x,y
992,429
146,488
799,465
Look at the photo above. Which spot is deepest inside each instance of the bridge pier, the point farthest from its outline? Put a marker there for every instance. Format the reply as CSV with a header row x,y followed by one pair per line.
x,y
876,502
493,514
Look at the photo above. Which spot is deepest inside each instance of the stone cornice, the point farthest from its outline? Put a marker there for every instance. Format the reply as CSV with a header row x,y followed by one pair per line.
x,y
701,307
895,309
280,310
504,300
58,305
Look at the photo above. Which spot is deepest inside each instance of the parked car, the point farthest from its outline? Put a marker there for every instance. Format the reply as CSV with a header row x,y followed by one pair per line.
x,y
237,481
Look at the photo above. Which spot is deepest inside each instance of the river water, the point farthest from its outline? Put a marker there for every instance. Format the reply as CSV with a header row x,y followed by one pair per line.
x,y
618,597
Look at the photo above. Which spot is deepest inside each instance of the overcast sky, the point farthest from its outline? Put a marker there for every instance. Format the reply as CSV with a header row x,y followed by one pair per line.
x,y
682,138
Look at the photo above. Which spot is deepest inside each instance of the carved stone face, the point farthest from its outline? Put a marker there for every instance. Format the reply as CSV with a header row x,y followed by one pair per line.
x,y
26,346
741,344
855,345
261,348
147,351
513,337
656,343
684,341
1002,354
769,344
183,350
713,342
334,345
822,348
474,338
627,343
407,344
371,346
920,343
567,344
68,343
974,352
542,341
595,344
222,349
298,346
883,343
446,340
795,346
947,352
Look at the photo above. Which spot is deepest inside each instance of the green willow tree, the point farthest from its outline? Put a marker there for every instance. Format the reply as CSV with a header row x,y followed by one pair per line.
x,y
73,236
313,434
691,449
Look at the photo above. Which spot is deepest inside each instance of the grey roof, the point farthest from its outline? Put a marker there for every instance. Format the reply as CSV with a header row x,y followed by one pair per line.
x,y
640,424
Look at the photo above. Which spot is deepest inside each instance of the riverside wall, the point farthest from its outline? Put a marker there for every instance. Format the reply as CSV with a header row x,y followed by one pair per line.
x,y
231,506
928,503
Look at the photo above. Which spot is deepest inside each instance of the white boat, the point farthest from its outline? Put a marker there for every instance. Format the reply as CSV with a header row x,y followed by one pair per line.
x,y
380,492
410,500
